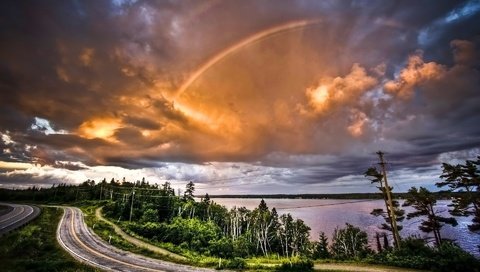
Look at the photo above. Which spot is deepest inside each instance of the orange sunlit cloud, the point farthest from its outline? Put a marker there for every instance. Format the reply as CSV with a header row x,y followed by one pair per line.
x,y
103,128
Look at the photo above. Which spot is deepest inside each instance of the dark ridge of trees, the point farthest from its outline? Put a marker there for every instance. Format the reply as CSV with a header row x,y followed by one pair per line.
x,y
438,195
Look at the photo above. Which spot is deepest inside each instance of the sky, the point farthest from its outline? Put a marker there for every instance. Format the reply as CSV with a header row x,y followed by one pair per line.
x,y
241,97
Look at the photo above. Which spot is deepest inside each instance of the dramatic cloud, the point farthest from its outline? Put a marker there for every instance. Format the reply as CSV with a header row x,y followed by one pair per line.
x,y
300,92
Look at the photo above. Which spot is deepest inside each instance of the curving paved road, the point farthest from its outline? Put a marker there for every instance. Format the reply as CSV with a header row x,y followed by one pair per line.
x,y
75,237
17,217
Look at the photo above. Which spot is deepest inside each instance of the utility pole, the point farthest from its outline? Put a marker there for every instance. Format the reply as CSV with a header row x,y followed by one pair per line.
x,y
131,205
55,195
101,191
391,211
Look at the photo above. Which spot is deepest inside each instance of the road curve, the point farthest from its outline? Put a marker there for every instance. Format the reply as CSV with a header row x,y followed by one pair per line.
x,y
17,217
84,245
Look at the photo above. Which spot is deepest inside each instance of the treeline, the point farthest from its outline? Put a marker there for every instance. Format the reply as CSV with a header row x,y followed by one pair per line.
x,y
438,195
69,193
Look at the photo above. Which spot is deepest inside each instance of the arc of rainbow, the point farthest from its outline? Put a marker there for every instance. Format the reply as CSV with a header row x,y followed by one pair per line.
x,y
259,36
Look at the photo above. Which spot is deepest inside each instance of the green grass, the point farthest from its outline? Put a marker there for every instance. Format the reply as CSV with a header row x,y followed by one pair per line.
x,y
35,248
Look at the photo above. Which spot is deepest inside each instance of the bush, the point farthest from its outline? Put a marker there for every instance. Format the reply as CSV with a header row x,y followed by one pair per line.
x,y
450,257
242,247
148,230
222,247
414,253
236,263
296,264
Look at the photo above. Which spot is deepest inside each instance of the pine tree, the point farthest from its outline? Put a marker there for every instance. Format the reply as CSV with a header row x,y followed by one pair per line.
x,y
423,201
189,190
321,250
464,178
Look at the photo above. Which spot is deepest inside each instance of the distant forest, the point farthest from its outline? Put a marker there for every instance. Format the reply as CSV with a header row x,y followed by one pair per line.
x,y
438,195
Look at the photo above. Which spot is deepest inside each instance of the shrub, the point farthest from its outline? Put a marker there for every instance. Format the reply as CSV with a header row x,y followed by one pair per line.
x,y
414,253
296,264
222,247
236,263
450,257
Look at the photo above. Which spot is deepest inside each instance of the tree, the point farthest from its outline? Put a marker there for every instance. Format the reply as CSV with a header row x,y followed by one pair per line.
x,y
262,221
464,178
321,249
423,201
293,235
399,214
150,215
189,190
349,242
167,189
286,221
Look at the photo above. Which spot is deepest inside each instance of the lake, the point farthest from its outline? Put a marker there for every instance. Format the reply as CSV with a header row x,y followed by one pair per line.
x,y
326,214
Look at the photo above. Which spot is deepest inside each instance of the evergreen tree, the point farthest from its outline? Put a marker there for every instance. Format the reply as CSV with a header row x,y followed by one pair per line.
x,y
423,201
321,249
464,178
189,190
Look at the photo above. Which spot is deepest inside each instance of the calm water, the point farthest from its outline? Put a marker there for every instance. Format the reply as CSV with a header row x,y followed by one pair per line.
x,y
326,214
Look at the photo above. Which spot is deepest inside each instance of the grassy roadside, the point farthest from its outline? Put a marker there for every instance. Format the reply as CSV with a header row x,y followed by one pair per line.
x,y
35,248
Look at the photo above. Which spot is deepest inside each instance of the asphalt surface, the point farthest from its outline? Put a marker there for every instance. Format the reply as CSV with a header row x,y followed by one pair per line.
x,y
18,216
84,245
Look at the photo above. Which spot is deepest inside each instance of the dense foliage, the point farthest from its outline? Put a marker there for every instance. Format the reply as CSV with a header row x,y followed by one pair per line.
x,y
209,228
415,253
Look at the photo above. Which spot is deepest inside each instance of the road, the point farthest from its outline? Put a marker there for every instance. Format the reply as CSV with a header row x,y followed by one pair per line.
x,y
17,217
84,245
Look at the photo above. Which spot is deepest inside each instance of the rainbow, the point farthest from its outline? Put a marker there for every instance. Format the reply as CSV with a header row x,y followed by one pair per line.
x,y
257,37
